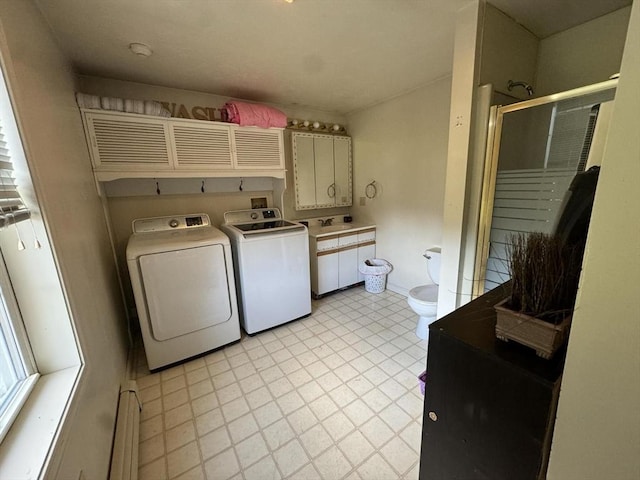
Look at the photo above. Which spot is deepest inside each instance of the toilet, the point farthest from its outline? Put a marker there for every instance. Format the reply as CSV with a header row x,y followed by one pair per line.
x,y
423,299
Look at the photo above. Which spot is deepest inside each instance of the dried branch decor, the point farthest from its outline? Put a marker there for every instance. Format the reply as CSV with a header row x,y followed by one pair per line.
x,y
544,275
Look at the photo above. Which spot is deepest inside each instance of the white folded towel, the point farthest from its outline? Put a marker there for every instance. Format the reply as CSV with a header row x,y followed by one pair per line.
x,y
143,107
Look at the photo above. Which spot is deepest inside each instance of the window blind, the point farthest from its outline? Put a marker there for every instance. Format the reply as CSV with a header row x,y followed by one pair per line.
x,y
12,208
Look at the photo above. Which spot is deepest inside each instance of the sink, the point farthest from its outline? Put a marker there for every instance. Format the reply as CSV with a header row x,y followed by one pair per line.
x,y
337,228
317,230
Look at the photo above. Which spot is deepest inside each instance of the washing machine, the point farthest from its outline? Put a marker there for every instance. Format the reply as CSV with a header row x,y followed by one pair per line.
x,y
181,270
271,259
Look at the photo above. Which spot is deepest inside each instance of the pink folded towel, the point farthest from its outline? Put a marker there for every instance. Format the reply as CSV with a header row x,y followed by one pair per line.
x,y
254,114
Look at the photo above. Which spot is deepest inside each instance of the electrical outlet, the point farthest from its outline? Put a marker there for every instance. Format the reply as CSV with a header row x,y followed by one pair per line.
x,y
363,201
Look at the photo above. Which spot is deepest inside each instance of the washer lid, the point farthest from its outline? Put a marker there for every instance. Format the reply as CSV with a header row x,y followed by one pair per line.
x,y
257,221
165,241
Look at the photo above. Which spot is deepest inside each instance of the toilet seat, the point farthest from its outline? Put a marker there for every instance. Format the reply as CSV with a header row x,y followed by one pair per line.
x,y
424,294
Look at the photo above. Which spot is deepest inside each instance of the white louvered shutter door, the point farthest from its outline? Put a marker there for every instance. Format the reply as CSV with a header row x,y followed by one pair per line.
x,y
259,148
119,142
202,146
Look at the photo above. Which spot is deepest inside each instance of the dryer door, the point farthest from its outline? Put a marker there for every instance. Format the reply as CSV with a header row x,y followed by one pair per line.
x,y
186,290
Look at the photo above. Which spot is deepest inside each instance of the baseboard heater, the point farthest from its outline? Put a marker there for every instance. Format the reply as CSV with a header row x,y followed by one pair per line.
x,y
124,457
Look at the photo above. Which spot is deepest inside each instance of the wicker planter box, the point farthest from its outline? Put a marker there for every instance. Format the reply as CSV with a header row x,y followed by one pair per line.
x,y
544,337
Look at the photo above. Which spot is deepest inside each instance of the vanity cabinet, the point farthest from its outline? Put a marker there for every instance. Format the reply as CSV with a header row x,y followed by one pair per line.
x,y
489,407
322,167
335,258
125,145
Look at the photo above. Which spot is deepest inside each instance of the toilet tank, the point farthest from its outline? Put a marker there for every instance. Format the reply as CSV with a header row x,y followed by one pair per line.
x,y
433,256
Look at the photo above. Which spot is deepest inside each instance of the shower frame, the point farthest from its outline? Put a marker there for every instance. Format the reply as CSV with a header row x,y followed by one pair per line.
x,y
494,136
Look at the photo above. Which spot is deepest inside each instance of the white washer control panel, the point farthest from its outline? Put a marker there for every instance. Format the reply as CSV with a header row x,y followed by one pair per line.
x,y
255,214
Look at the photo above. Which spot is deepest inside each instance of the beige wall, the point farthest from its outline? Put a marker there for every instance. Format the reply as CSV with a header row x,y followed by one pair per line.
x,y
509,52
597,433
586,54
57,156
402,145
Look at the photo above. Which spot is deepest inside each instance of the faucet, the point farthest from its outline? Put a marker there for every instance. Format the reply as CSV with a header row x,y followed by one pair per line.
x,y
326,222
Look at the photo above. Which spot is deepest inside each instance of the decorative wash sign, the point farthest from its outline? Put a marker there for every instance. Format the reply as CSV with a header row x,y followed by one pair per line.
x,y
196,113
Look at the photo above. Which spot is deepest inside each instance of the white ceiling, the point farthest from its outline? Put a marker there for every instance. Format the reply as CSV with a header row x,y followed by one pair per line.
x,y
333,55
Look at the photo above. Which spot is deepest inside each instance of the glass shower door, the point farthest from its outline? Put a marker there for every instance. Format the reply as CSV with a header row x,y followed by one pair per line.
x,y
537,147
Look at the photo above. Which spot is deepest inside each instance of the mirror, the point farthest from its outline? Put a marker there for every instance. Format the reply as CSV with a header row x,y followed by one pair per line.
x,y
322,170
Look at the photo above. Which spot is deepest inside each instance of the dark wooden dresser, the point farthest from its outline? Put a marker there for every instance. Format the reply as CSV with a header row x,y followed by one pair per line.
x,y
489,405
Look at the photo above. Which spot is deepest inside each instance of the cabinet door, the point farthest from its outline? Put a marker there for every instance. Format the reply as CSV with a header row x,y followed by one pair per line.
x,y
342,165
348,266
323,177
258,148
121,143
304,170
324,169
483,418
328,265
201,146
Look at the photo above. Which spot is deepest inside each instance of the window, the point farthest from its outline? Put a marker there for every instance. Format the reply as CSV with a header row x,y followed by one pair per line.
x,y
17,372
17,368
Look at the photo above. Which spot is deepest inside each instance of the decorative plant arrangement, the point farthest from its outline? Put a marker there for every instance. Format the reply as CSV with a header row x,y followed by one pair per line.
x,y
544,281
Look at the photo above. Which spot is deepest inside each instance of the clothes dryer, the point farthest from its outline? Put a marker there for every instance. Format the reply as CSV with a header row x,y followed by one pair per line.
x,y
181,270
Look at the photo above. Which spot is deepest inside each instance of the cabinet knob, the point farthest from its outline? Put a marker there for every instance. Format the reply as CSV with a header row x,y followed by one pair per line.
x,y
433,416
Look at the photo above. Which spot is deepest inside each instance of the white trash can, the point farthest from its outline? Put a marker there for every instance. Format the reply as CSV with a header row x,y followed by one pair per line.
x,y
375,271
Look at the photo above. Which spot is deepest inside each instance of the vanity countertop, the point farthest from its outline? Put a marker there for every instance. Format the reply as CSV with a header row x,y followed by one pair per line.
x,y
339,228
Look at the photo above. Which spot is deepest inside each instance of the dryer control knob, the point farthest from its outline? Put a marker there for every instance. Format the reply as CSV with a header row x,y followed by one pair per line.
x,y
173,223
254,216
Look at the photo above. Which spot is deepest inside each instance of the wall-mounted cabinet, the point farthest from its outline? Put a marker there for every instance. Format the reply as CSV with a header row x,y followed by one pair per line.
x,y
124,145
322,170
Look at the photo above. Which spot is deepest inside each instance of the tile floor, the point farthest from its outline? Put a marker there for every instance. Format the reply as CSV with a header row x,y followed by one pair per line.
x,y
332,396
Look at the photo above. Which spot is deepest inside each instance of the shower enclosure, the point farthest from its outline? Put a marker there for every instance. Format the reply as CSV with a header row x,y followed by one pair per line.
x,y
534,150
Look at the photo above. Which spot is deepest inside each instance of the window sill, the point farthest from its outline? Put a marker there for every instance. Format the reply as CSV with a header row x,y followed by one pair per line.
x,y
26,449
